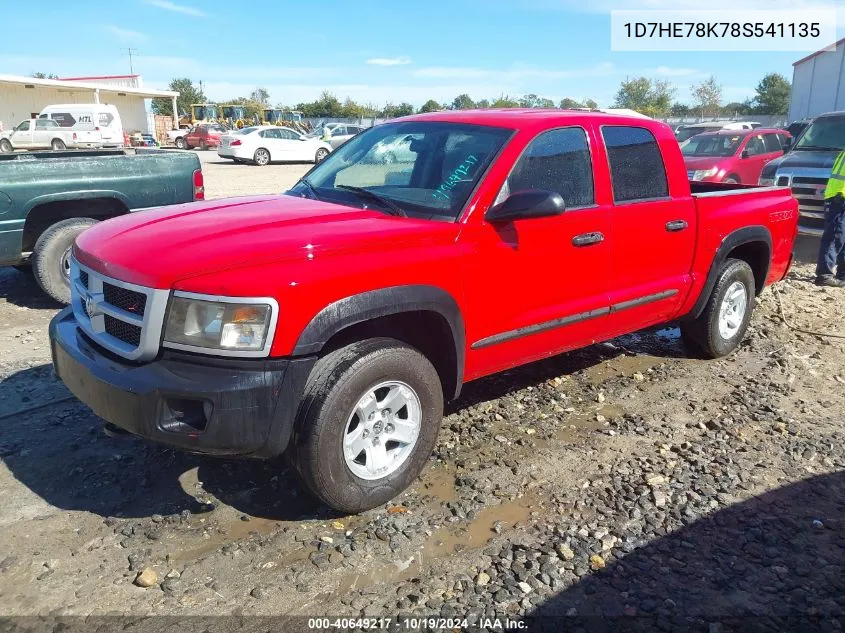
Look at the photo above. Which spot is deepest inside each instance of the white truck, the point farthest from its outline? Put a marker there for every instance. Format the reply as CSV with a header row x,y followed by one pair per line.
x,y
38,134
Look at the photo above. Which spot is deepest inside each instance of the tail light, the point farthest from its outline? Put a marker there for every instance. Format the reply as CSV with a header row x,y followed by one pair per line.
x,y
199,186
235,142
96,129
74,136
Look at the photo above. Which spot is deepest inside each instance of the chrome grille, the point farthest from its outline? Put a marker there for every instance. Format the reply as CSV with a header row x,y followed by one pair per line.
x,y
808,189
122,317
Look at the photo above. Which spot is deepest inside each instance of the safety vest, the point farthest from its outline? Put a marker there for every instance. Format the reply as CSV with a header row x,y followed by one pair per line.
x,y
836,184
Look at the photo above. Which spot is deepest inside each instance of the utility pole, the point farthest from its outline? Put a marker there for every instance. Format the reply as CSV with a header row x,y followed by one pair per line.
x,y
131,52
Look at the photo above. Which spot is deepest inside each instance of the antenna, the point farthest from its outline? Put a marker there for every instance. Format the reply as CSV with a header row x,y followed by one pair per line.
x,y
131,52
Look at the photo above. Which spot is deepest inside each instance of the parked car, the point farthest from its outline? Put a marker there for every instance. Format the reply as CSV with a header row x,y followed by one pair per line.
x,y
796,127
264,144
95,124
177,137
204,136
732,156
397,150
806,168
37,134
335,320
685,132
47,199
339,133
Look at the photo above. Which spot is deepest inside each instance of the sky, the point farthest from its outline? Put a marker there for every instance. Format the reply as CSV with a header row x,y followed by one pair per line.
x,y
375,51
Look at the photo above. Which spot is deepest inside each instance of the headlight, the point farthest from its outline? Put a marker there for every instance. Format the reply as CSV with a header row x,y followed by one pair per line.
x,y
766,182
701,174
231,326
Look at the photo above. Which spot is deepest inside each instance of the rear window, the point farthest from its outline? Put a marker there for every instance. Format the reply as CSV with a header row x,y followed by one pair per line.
x,y
636,165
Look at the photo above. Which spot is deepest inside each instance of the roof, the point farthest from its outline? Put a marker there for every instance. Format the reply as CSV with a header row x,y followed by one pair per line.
x,y
98,78
83,86
510,117
824,50
743,132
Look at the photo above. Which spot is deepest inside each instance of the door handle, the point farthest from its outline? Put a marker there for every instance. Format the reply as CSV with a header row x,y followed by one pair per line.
x,y
676,225
586,239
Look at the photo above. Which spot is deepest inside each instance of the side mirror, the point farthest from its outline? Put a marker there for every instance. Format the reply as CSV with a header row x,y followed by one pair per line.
x,y
524,205
302,138
745,154
787,144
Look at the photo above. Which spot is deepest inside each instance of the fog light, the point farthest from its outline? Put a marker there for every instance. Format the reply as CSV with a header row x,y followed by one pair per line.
x,y
185,415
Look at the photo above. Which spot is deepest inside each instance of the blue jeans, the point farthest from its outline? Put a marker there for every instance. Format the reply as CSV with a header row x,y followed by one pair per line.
x,y
832,249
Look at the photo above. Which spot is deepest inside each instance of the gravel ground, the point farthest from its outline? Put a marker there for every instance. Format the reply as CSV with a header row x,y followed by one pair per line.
x,y
625,486
225,178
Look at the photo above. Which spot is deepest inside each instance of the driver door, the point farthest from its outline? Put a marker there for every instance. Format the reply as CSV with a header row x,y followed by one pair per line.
x,y
21,136
538,286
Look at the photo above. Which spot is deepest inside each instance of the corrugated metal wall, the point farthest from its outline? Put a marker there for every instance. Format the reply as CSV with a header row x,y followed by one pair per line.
x,y
818,85
18,103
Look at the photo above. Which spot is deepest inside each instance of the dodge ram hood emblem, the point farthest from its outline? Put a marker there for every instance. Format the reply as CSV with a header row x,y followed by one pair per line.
x,y
91,306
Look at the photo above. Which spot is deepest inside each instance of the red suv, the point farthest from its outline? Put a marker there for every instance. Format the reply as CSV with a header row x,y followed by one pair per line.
x,y
204,136
735,156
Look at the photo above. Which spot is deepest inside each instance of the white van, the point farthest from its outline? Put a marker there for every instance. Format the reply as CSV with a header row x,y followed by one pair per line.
x,y
95,124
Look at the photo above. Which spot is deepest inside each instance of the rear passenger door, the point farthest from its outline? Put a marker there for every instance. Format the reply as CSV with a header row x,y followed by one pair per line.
x,y
653,233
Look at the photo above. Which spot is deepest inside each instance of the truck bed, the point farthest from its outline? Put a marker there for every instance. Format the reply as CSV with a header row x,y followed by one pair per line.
x,y
75,153
701,189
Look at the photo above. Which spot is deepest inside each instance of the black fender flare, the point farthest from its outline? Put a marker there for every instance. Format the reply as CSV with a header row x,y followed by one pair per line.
x,y
745,235
383,302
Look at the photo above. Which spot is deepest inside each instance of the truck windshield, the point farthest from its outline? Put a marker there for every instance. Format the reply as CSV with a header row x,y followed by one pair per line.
x,y
426,168
827,133
712,145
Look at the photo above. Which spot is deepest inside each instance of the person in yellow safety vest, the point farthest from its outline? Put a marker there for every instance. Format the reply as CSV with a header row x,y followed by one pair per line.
x,y
832,248
327,134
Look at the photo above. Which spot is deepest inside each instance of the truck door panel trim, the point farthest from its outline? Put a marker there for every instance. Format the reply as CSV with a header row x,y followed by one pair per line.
x,y
569,320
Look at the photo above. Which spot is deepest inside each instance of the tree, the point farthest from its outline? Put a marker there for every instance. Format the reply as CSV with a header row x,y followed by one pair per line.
x,y
680,109
391,111
707,96
463,102
483,104
44,76
504,102
591,104
772,95
188,94
735,108
431,106
261,95
352,109
641,94
568,103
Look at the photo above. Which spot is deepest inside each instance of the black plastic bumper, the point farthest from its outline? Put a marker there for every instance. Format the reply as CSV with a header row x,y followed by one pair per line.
x,y
207,405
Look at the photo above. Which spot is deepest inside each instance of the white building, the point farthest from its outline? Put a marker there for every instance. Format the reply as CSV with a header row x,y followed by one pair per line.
x,y
818,84
24,97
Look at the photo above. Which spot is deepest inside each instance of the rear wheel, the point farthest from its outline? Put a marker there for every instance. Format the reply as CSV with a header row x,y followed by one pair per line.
x,y
58,144
719,329
321,154
5,146
261,157
367,424
51,256
203,145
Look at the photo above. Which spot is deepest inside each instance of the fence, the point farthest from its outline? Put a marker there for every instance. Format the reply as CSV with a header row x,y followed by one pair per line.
x,y
766,120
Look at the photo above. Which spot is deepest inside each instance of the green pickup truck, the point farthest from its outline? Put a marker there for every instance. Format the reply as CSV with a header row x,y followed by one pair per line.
x,y
48,198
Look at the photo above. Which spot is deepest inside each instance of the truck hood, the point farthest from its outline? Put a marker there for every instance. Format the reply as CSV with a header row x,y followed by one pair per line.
x,y
800,159
158,247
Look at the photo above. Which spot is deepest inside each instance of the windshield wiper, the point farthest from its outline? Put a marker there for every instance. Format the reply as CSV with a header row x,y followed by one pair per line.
x,y
391,207
818,148
311,189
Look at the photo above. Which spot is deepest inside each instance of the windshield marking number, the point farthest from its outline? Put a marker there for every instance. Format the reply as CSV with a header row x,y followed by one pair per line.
x,y
456,176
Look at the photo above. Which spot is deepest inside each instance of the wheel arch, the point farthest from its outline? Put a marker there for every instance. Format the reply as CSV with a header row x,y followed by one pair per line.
x,y
753,245
425,317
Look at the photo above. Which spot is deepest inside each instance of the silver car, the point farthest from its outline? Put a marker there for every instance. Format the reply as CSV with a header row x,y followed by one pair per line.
x,y
339,133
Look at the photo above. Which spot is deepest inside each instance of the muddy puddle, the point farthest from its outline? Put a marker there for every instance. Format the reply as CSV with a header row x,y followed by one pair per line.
x,y
438,483
448,540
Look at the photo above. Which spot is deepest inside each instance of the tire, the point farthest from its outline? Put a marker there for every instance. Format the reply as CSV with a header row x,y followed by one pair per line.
x,y
57,145
720,328
180,143
321,154
338,383
261,157
731,180
49,257
203,146
6,146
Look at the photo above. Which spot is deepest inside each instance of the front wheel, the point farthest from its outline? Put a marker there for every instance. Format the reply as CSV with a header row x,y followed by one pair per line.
x,y
731,180
180,143
321,154
719,329
367,424
58,144
5,146
261,157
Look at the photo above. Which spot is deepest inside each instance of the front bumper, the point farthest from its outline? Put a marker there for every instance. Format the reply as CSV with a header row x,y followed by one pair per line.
x,y
205,405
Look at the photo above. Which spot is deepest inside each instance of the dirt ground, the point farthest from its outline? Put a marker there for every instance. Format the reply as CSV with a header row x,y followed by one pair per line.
x,y
626,480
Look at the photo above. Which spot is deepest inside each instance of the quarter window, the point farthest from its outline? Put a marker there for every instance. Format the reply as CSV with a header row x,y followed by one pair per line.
x,y
636,165
559,161
772,143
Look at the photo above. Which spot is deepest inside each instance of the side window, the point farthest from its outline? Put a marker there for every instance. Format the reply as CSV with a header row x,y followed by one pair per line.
x,y
755,146
41,124
637,171
772,143
340,130
271,133
290,135
557,160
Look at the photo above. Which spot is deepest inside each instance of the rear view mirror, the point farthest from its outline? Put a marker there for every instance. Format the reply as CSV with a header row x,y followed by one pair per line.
x,y
524,205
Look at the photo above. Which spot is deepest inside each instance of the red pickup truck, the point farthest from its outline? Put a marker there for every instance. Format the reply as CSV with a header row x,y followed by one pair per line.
x,y
332,322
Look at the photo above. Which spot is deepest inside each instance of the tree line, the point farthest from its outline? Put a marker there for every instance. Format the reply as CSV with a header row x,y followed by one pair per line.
x,y
655,98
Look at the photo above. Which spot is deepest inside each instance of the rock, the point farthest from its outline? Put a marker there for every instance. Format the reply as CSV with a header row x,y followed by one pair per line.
x,y
818,524
336,558
659,497
655,480
482,579
565,552
639,377
258,593
525,587
147,578
597,562
327,539
608,542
